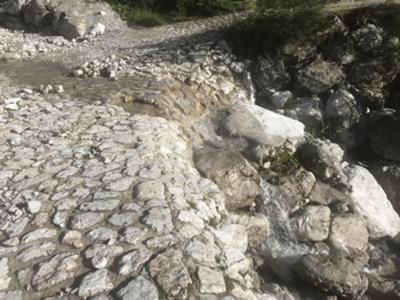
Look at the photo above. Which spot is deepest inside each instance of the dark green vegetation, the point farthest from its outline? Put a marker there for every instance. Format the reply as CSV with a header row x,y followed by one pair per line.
x,y
158,12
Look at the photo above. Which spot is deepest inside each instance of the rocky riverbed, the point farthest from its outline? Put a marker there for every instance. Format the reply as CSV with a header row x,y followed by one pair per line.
x,y
135,164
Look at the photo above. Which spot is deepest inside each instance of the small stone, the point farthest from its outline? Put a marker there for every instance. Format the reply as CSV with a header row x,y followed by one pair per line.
x,y
5,279
233,236
107,251
36,251
33,206
95,283
132,235
78,73
73,238
60,219
59,89
159,220
85,220
138,289
211,282
11,295
102,234
149,190
103,205
120,185
42,233
99,262
122,219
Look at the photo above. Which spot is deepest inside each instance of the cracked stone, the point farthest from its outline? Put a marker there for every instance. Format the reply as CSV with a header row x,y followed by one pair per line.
x,y
132,262
58,269
170,272
95,283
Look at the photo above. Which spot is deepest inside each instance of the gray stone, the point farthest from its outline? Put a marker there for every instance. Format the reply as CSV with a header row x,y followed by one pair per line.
x,y
58,269
270,72
102,234
99,262
349,235
150,189
95,283
132,235
73,238
11,295
133,262
232,173
138,289
319,76
120,185
335,274
122,219
314,222
42,233
36,251
107,251
368,200
368,37
33,206
211,282
233,236
170,272
85,220
5,277
159,220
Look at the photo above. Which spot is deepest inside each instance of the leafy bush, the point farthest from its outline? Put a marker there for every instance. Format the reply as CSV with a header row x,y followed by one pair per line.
x,y
156,12
270,29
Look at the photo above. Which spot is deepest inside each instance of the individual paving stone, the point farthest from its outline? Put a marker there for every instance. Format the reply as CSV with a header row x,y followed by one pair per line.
x,y
99,262
95,283
159,220
73,238
58,269
85,220
122,219
11,295
66,204
36,251
42,233
138,289
103,205
60,219
233,236
91,172
5,251
190,216
67,172
131,207
17,227
33,206
5,278
203,251
133,262
170,272
102,234
148,190
107,251
11,242
211,282
161,242
152,172
121,184
132,235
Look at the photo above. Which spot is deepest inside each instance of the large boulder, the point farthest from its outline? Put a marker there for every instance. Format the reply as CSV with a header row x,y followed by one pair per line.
x,y
319,76
69,18
387,173
368,200
335,274
263,126
383,134
232,173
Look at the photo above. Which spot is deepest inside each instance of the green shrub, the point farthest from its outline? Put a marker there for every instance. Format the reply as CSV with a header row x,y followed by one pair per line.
x,y
268,30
